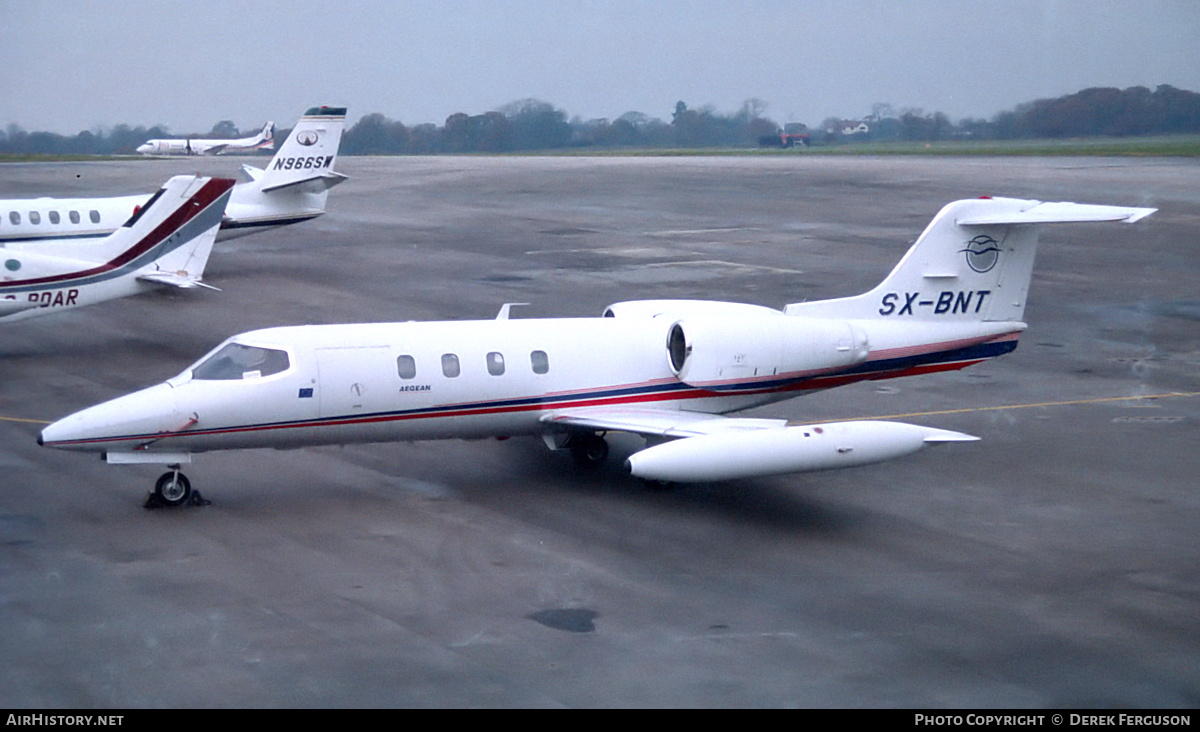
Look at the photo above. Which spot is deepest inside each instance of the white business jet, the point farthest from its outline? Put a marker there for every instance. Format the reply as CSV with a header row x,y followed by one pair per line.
x,y
167,242
264,140
292,188
664,369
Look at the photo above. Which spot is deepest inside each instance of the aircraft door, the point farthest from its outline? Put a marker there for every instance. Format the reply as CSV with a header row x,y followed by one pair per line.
x,y
354,381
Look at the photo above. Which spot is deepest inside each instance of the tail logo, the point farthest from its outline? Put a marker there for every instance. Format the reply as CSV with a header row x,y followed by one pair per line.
x,y
307,138
982,253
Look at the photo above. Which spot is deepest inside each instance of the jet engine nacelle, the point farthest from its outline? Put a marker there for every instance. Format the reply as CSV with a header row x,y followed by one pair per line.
x,y
706,350
798,449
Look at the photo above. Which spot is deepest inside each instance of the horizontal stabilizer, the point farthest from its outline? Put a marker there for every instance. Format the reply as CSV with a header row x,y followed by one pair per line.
x,y
8,307
312,184
252,172
175,279
1055,213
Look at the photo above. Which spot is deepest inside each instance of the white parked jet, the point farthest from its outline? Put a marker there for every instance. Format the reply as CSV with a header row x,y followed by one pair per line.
x,y
264,140
167,242
293,188
663,369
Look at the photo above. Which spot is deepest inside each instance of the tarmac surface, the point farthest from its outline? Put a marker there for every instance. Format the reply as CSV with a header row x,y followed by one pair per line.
x,y
1055,563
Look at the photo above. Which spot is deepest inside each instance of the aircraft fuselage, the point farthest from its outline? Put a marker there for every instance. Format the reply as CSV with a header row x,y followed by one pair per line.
x,y
468,379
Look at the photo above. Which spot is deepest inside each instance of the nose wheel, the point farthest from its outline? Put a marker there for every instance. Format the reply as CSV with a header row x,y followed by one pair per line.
x,y
174,489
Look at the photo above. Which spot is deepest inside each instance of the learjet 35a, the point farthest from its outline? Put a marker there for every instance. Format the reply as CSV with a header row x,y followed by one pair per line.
x,y
292,188
663,369
166,242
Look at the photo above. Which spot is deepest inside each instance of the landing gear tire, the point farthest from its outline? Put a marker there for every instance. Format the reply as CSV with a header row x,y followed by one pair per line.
x,y
173,489
589,449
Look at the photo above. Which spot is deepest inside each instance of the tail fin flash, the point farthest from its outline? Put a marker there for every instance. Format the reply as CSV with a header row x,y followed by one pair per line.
x,y
305,159
974,262
183,209
266,138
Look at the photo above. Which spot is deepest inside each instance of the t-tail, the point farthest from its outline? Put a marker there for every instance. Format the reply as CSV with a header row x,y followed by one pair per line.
x,y
958,296
973,262
304,163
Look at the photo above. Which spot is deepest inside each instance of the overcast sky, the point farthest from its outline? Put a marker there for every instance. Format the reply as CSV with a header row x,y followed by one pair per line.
x,y
70,65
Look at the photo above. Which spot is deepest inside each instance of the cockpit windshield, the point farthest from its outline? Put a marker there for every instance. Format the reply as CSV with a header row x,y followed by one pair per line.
x,y
237,361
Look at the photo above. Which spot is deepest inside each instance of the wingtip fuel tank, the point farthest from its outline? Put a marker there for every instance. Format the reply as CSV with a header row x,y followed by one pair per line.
x,y
795,449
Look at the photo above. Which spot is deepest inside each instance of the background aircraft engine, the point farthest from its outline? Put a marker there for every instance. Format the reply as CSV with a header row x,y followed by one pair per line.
x,y
706,350
757,453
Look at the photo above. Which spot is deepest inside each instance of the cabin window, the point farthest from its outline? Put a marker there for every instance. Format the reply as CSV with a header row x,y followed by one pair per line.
x,y
74,216
35,217
54,219
406,366
450,365
236,361
14,216
495,363
94,215
540,362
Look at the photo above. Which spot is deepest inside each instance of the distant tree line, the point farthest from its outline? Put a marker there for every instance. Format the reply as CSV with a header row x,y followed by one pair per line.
x,y
1095,112
533,124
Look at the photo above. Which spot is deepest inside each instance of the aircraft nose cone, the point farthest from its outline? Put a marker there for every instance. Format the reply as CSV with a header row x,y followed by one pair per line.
x,y
121,423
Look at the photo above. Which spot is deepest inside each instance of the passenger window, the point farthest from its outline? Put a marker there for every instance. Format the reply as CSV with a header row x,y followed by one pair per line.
x,y
94,215
35,217
14,217
495,363
406,367
236,361
450,365
74,215
540,362
54,217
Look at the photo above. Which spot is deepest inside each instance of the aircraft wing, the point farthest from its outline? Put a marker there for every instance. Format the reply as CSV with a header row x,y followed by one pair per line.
x,y
315,184
656,422
215,149
709,447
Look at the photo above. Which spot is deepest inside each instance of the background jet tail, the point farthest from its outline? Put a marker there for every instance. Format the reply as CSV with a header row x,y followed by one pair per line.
x,y
266,138
974,262
305,160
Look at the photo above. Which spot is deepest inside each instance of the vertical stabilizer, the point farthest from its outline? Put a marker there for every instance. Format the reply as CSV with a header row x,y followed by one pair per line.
x,y
305,159
974,262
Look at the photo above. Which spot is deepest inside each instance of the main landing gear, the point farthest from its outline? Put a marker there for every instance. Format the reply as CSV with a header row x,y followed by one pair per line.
x,y
589,449
174,489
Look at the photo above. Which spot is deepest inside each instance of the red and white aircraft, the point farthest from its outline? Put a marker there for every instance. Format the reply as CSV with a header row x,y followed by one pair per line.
x,y
292,188
664,369
264,140
166,242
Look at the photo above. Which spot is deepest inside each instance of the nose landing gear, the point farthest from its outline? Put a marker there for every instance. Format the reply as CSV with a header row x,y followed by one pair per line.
x,y
174,489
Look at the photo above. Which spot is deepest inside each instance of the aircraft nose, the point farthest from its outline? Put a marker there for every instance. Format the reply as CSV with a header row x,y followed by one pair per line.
x,y
121,423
